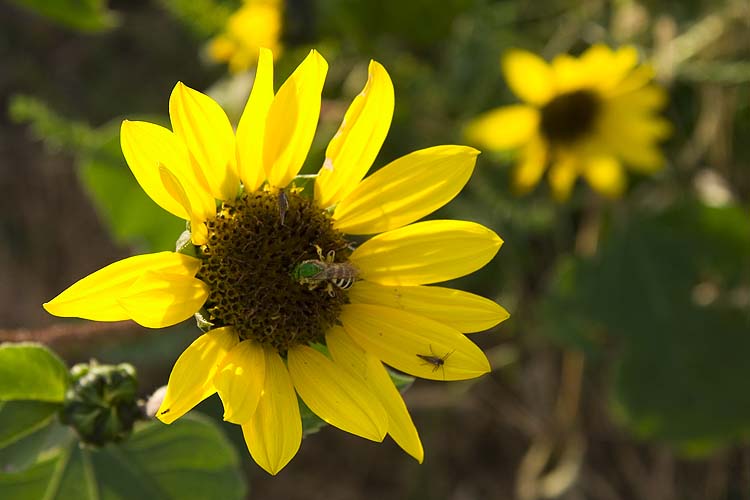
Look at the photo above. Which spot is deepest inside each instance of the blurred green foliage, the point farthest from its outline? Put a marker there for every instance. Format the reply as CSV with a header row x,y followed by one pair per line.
x,y
83,15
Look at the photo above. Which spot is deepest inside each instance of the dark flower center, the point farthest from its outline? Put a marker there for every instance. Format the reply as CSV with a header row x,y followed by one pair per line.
x,y
249,262
568,117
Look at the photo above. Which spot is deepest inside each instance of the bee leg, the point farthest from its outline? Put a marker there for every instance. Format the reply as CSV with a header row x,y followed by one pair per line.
x,y
330,256
320,252
330,290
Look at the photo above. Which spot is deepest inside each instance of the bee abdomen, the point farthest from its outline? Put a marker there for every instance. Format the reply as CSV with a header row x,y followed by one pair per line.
x,y
343,283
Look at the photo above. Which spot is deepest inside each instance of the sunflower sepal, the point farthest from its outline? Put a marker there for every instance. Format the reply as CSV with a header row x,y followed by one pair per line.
x,y
101,403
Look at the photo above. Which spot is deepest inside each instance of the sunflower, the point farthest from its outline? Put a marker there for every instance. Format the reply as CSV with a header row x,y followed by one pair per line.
x,y
582,116
254,25
274,329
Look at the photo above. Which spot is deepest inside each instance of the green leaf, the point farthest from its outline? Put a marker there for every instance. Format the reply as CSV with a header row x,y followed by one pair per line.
x,y
41,443
190,459
83,15
20,418
31,372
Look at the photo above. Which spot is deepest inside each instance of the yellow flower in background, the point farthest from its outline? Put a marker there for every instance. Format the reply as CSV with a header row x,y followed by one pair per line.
x,y
586,116
256,24
271,268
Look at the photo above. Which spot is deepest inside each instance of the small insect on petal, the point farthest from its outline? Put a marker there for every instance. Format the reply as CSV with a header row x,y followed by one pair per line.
x,y
436,361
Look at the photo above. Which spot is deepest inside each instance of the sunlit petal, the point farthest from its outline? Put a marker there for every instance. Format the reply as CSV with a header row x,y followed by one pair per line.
x,y
461,310
274,434
191,380
426,252
251,129
95,297
292,120
358,140
240,380
406,190
349,355
146,146
335,395
158,300
399,338
205,129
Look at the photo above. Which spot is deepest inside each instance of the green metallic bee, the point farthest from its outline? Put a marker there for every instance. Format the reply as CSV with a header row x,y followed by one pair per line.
x,y
316,272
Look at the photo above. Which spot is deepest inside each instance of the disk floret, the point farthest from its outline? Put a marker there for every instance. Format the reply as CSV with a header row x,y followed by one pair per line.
x,y
254,245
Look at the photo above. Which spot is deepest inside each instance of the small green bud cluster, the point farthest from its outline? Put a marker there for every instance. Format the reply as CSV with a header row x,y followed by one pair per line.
x,y
101,402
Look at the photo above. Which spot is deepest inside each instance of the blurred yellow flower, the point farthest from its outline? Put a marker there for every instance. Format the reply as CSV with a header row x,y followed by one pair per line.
x,y
256,24
274,273
582,116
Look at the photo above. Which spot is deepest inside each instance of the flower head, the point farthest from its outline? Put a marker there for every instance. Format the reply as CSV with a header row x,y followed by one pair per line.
x,y
581,116
291,305
254,25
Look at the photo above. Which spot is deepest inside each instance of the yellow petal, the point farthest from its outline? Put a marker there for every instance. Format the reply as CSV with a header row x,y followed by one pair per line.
x,y
191,380
146,146
292,120
359,363
531,165
562,177
405,190
240,380
274,434
398,338
252,125
158,300
95,297
461,310
605,175
426,252
504,128
204,127
358,140
528,76
569,74
221,48
335,395
200,208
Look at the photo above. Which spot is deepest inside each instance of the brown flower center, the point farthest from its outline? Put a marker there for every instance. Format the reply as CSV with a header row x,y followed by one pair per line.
x,y
249,261
569,117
